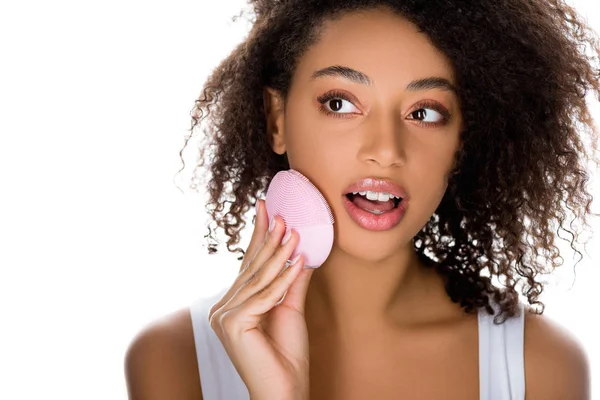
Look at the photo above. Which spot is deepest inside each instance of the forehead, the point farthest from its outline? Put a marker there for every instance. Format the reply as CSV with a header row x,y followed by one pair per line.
x,y
384,45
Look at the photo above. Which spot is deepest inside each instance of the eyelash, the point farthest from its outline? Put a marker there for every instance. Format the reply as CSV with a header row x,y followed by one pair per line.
x,y
336,95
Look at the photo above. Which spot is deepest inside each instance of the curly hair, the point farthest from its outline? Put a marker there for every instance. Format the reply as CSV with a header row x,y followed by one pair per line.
x,y
523,69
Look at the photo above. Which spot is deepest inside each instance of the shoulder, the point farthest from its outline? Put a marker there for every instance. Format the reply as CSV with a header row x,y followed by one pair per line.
x,y
161,362
556,365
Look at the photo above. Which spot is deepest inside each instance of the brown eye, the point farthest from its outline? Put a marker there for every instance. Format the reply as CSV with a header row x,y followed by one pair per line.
x,y
423,113
335,105
339,106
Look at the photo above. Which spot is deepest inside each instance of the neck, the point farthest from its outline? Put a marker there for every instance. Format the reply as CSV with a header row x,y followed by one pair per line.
x,y
349,295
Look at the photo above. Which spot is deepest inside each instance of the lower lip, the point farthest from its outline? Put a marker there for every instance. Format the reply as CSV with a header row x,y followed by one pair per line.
x,y
373,222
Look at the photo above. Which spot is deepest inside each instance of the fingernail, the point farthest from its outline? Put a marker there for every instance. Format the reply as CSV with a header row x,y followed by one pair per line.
x,y
257,207
272,225
286,237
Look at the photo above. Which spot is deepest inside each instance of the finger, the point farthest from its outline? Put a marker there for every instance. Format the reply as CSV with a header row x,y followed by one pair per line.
x,y
261,226
266,250
247,315
296,294
265,275
250,275
256,244
273,241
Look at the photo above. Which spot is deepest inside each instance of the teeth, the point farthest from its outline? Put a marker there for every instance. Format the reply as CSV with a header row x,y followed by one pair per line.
x,y
372,195
376,212
383,196
377,196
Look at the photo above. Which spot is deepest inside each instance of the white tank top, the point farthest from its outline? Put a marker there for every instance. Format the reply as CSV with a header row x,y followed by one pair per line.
x,y
501,366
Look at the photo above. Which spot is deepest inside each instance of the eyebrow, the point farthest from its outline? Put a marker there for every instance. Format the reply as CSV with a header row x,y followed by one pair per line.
x,y
339,71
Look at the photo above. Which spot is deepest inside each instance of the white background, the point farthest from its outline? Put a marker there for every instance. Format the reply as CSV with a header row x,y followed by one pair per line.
x,y
96,239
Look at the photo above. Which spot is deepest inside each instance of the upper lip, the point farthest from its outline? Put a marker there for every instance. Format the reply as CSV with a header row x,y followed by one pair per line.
x,y
377,185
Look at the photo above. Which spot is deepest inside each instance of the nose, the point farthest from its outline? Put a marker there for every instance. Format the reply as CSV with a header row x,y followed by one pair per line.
x,y
382,142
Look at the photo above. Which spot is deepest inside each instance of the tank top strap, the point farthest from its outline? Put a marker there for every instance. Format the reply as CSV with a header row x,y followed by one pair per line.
x,y
501,360
218,377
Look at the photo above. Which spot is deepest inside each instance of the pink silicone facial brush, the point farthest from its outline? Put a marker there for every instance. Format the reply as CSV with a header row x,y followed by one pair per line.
x,y
294,198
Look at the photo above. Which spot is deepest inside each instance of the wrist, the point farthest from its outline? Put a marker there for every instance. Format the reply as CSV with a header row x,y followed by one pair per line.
x,y
296,395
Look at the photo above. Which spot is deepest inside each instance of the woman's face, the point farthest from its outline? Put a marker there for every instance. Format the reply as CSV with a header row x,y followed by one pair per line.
x,y
370,117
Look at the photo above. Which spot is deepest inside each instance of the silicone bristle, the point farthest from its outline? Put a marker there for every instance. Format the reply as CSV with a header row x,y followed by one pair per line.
x,y
292,194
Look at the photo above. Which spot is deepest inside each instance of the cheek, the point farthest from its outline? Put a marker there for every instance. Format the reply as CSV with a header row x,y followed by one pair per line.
x,y
309,142
428,176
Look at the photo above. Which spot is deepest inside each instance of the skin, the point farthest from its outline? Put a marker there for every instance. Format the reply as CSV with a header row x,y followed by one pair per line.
x,y
372,283
380,324
378,134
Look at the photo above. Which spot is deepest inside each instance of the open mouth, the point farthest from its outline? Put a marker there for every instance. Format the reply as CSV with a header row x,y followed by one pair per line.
x,y
362,202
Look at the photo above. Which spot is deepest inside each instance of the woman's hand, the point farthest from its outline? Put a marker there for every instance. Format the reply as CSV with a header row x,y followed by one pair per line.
x,y
264,335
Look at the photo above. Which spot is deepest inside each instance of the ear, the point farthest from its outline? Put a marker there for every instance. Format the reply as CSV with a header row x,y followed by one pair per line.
x,y
275,116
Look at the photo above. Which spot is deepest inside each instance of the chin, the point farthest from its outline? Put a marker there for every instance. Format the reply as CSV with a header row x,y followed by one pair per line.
x,y
372,247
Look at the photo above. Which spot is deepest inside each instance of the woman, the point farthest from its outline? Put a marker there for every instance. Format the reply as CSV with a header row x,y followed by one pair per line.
x,y
468,112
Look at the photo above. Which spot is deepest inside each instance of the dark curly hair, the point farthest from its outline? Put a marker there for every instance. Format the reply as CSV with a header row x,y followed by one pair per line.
x,y
523,69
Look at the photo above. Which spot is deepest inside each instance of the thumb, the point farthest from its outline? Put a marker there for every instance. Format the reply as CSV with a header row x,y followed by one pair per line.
x,y
296,293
